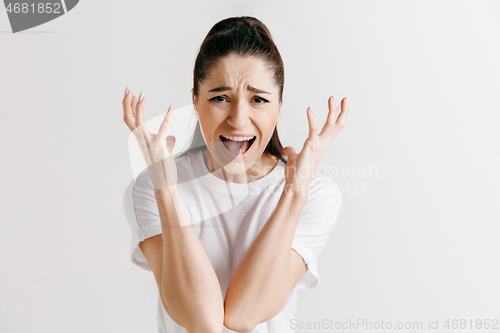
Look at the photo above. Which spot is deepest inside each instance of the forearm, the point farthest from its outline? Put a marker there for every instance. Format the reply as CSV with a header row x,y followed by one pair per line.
x,y
190,288
261,283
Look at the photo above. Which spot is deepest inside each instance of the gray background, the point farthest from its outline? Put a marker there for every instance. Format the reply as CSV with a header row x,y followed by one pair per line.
x,y
417,241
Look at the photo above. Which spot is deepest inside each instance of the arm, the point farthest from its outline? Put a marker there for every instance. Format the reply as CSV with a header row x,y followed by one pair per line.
x,y
270,269
189,288
262,282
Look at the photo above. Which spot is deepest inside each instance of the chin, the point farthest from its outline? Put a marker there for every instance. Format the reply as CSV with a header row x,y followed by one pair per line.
x,y
238,165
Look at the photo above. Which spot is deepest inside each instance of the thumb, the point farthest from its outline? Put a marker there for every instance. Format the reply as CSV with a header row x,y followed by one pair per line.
x,y
289,151
170,143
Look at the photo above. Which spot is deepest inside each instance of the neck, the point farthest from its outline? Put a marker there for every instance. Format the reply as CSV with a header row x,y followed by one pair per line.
x,y
258,169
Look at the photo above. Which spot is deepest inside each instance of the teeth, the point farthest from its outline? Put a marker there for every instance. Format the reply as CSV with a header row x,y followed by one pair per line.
x,y
238,138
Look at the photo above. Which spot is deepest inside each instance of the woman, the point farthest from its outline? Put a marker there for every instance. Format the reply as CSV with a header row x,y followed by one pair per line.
x,y
230,228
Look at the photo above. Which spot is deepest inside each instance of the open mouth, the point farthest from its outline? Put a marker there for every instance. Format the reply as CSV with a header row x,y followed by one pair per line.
x,y
235,147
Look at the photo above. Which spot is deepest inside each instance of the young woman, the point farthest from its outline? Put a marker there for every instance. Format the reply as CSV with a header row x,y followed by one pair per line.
x,y
230,228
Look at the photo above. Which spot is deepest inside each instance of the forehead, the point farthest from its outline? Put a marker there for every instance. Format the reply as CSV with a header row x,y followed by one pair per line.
x,y
234,70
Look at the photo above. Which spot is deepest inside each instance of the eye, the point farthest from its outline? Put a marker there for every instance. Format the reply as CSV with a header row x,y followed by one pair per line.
x,y
217,99
262,100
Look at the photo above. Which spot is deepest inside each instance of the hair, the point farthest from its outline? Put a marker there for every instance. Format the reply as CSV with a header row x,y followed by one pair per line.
x,y
243,36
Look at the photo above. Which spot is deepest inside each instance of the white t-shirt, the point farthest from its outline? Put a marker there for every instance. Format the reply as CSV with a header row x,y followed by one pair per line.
x,y
227,217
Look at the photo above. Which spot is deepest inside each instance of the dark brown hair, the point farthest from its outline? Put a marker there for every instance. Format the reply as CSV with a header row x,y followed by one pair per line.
x,y
244,36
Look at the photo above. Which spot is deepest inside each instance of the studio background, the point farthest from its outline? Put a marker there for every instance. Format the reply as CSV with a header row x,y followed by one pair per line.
x,y
417,236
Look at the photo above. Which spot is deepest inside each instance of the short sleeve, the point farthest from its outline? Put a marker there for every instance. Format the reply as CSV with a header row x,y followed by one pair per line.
x,y
315,225
143,217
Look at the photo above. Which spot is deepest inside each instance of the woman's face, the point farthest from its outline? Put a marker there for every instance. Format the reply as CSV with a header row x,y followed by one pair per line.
x,y
239,98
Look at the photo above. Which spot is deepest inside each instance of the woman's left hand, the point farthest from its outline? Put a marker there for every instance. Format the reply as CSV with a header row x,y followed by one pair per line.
x,y
300,168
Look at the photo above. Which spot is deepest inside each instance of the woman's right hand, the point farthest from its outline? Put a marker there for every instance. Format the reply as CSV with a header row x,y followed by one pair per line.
x,y
156,148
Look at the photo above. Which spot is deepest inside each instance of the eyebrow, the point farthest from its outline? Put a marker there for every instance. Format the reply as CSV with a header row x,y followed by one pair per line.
x,y
255,90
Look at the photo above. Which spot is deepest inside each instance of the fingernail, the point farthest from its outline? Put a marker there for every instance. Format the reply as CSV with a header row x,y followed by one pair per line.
x,y
140,97
126,91
335,99
348,98
170,108
311,108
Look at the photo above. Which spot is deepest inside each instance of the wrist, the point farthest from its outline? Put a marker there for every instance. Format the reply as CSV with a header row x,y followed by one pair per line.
x,y
296,199
168,192
298,192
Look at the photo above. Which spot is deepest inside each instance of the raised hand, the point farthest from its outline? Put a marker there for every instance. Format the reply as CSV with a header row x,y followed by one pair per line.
x,y
300,167
156,148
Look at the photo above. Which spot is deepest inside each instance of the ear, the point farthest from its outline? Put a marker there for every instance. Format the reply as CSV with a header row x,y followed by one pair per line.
x,y
194,105
279,114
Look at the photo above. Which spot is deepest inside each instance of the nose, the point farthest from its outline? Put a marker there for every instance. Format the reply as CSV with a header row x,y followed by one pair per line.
x,y
239,115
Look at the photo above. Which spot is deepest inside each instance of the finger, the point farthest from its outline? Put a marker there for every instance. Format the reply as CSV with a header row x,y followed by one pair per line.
x,y
313,127
333,112
133,103
333,105
128,115
139,117
163,130
339,124
139,109
343,115
170,143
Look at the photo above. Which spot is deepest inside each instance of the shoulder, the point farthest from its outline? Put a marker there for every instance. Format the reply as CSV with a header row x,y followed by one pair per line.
x,y
324,200
322,209
323,186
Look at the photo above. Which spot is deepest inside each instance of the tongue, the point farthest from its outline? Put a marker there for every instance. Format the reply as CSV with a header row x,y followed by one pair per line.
x,y
237,146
